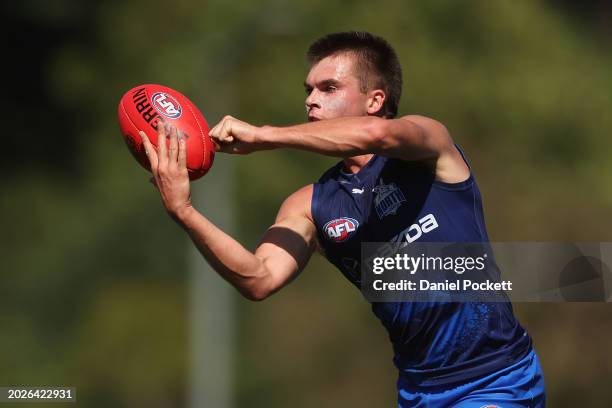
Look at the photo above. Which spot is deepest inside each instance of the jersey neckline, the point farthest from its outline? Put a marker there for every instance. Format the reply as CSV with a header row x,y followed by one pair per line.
x,y
369,164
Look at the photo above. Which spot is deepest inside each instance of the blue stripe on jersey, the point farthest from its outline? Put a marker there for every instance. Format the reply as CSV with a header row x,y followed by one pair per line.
x,y
434,343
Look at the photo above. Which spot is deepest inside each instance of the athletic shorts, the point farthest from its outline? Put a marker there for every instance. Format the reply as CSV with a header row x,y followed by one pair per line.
x,y
517,386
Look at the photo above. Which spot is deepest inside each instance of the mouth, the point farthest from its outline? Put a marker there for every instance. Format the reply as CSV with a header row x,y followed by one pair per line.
x,y
313,118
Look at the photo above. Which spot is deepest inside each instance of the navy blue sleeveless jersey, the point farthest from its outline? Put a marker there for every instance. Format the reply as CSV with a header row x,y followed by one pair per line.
x,y
434,343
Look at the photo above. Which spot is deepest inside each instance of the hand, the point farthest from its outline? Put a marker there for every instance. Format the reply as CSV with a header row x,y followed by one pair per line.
x,y
237,137
169,169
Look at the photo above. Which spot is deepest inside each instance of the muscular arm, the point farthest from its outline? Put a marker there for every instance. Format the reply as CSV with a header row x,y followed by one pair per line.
x,y
410,137
354,136
283,252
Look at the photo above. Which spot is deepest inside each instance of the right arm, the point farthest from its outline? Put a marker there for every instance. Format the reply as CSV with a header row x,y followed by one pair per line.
x,y
283,251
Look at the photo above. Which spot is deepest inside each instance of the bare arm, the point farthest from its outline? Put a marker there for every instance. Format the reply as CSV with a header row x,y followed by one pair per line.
x,y
410,137
283,251
354,136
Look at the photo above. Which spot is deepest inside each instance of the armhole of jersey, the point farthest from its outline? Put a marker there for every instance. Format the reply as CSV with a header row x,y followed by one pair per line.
x,y
314,212
462,185
314,204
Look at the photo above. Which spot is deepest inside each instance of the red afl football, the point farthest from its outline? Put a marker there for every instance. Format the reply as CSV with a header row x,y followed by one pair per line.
x,y
147,106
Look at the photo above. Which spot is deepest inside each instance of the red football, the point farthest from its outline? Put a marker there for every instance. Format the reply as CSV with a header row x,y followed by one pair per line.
x,y
145,106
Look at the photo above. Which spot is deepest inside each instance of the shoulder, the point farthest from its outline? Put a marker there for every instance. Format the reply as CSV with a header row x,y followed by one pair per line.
x,y
450,166
433,129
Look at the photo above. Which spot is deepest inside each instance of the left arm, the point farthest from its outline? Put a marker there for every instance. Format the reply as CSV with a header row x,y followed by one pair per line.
x,y
410,137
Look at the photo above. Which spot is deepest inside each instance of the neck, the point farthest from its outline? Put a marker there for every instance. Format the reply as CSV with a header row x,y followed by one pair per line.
x,y
356,163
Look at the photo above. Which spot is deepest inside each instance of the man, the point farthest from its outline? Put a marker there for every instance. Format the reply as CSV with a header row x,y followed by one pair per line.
x,y
448,354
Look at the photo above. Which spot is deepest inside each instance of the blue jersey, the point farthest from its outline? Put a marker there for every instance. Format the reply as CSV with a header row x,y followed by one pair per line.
x,y
392,200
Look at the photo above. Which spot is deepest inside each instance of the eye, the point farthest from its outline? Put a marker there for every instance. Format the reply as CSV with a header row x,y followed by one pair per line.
x,y
308,90
331,89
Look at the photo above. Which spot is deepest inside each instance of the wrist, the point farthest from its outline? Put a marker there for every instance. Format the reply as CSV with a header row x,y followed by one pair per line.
x,y
183,215
267,137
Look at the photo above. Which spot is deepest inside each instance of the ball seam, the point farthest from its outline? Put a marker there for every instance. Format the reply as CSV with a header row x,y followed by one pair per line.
x,y
201,132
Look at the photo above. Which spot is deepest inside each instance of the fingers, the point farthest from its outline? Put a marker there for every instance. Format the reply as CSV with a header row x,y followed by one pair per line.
x,y
213,132
161,144
173,152
168,151
221,132
182,154
176,153
149,151
226,132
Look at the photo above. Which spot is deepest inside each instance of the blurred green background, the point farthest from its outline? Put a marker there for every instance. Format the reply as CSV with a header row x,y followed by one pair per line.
x,y
95,276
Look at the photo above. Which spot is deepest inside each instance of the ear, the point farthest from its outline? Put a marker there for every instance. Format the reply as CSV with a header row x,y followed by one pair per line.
x,y
376,99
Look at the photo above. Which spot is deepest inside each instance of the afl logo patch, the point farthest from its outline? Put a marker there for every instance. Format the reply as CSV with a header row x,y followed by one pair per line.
x,y
166,105
340,229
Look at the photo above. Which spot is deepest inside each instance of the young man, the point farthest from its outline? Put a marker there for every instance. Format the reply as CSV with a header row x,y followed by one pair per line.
x,y
447,354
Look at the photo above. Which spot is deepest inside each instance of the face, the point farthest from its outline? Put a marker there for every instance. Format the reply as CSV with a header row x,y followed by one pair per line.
x,y
333,90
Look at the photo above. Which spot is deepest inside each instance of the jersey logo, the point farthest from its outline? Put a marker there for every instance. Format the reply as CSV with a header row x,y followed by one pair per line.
x,y
388,198
357,191
340,229
426,224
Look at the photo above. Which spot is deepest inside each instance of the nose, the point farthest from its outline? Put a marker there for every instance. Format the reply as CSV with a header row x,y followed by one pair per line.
x,y
312,101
